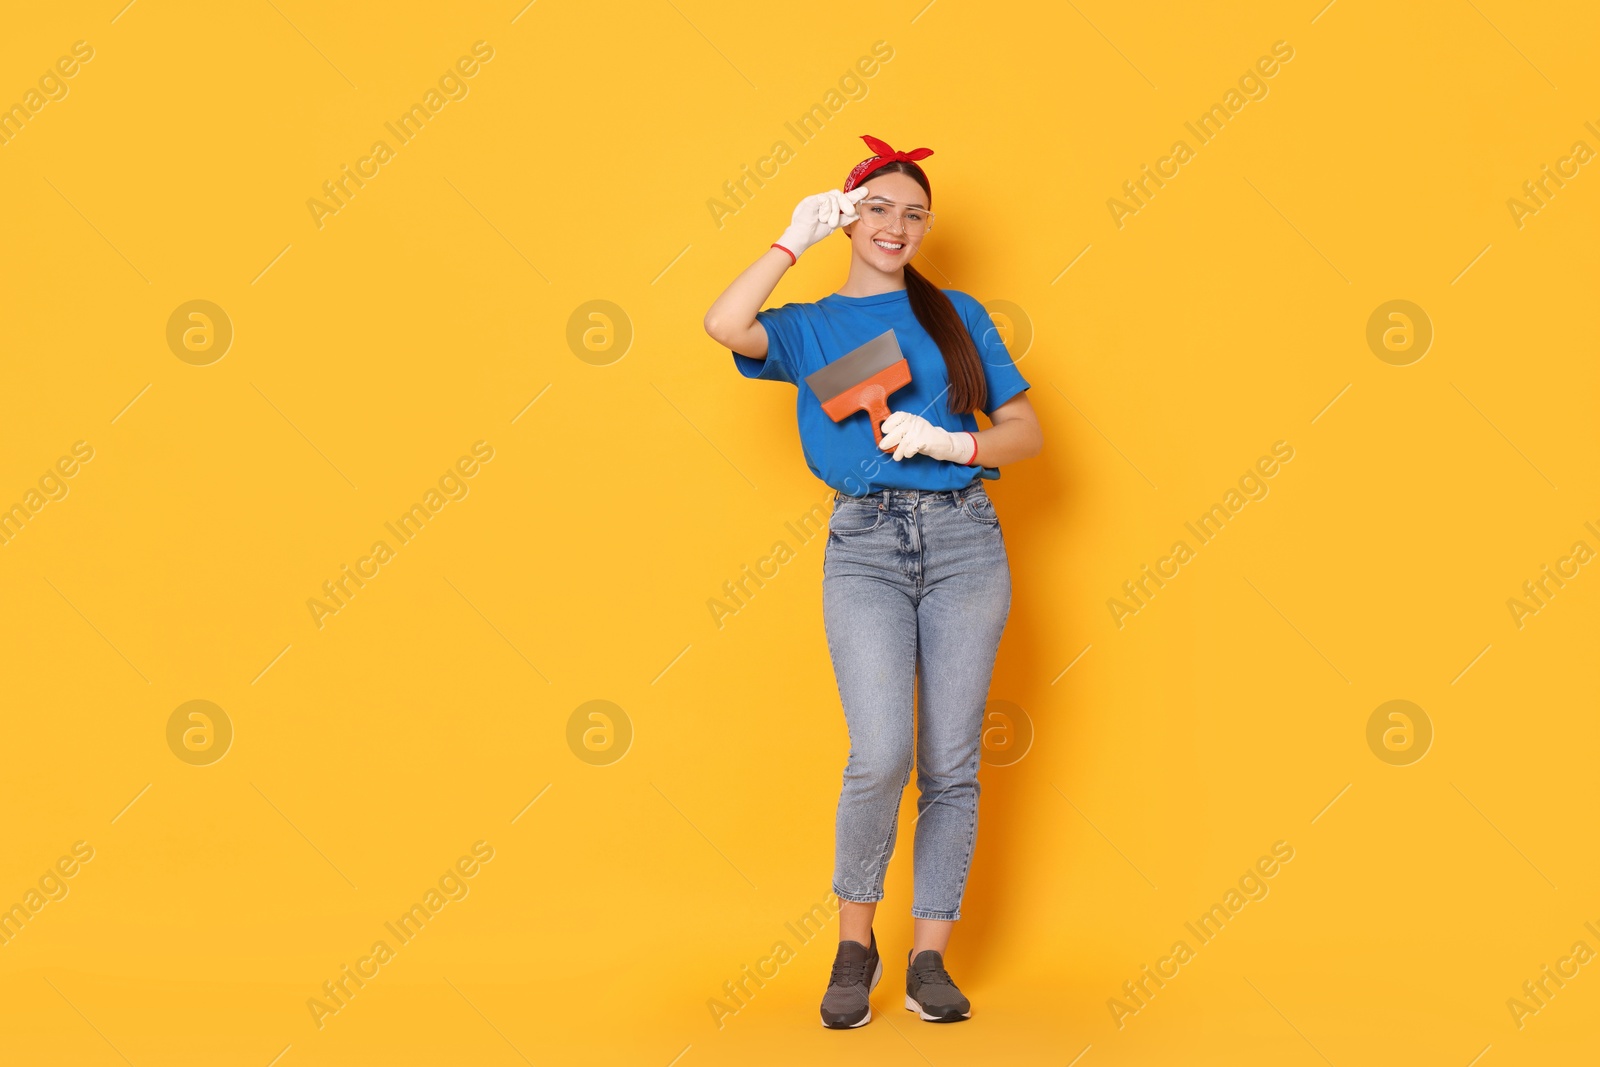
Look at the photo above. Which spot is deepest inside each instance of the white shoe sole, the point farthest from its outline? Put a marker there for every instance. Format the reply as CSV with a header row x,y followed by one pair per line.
x,y
867,1018
912,1005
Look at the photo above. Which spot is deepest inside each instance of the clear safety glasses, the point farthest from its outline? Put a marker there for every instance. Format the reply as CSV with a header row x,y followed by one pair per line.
x,y
879,213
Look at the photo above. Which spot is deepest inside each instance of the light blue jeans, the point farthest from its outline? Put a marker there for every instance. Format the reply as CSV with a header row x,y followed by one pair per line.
x,y
916,590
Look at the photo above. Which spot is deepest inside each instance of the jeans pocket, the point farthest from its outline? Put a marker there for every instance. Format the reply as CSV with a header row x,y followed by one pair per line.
x,y
854,517
977,507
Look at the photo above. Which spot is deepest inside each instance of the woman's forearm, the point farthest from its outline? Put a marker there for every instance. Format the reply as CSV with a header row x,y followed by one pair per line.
x,y
734,312
1008,442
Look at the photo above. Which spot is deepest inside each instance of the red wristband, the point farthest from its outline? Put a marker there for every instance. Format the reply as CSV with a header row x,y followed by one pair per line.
x,y
792,259
972,458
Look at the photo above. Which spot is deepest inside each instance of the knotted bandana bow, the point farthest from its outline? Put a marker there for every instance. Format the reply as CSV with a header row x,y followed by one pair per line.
x,y
885,155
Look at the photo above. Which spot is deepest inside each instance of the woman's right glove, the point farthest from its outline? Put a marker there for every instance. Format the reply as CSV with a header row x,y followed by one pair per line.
x,y
817,216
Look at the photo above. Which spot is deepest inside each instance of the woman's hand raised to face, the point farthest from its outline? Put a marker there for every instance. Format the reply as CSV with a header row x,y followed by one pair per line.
x,y
818,215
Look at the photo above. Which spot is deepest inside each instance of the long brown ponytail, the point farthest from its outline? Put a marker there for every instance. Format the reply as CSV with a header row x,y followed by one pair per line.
x,y
968,389
939,317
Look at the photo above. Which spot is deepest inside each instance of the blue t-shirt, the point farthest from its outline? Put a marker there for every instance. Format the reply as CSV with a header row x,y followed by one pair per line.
x,y
802,338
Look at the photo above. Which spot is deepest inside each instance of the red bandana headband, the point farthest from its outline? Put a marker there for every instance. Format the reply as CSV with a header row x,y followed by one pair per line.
x,y
885,155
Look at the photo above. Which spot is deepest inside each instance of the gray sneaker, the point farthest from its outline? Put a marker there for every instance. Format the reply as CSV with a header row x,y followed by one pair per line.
x,y
930,992
856,970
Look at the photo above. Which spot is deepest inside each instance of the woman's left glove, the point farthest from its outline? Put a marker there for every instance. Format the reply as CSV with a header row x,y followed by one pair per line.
x,y
909,434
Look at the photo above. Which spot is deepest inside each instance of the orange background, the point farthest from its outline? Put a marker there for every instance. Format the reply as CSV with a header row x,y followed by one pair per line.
x,y
373,347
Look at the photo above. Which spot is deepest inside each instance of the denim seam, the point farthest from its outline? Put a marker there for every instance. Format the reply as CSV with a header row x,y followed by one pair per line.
x,y
966,865
916,601
894,821
972,838
865,898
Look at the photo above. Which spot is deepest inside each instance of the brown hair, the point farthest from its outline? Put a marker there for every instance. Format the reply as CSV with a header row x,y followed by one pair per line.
x,y
968,390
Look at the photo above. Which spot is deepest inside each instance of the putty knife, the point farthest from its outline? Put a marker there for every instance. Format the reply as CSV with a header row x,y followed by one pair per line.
x,y
862,379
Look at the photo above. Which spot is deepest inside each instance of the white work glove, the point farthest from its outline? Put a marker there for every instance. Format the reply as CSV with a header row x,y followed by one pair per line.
x,y
819,215
909,434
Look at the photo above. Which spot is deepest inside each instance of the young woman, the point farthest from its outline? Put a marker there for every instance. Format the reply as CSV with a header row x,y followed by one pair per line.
x,y
916,587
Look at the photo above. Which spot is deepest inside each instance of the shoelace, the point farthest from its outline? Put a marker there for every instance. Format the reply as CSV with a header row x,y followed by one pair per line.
x,y
848,972
933,975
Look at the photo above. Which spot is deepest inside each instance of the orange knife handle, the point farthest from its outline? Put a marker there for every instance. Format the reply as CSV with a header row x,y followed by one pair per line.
x,y
876,402
871,396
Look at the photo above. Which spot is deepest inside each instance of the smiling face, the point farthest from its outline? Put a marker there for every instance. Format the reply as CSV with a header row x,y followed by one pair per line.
x,y
880,238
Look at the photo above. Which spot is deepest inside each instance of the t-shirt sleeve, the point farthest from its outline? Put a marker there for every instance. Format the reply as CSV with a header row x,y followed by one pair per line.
x,y
783,346
1000,373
